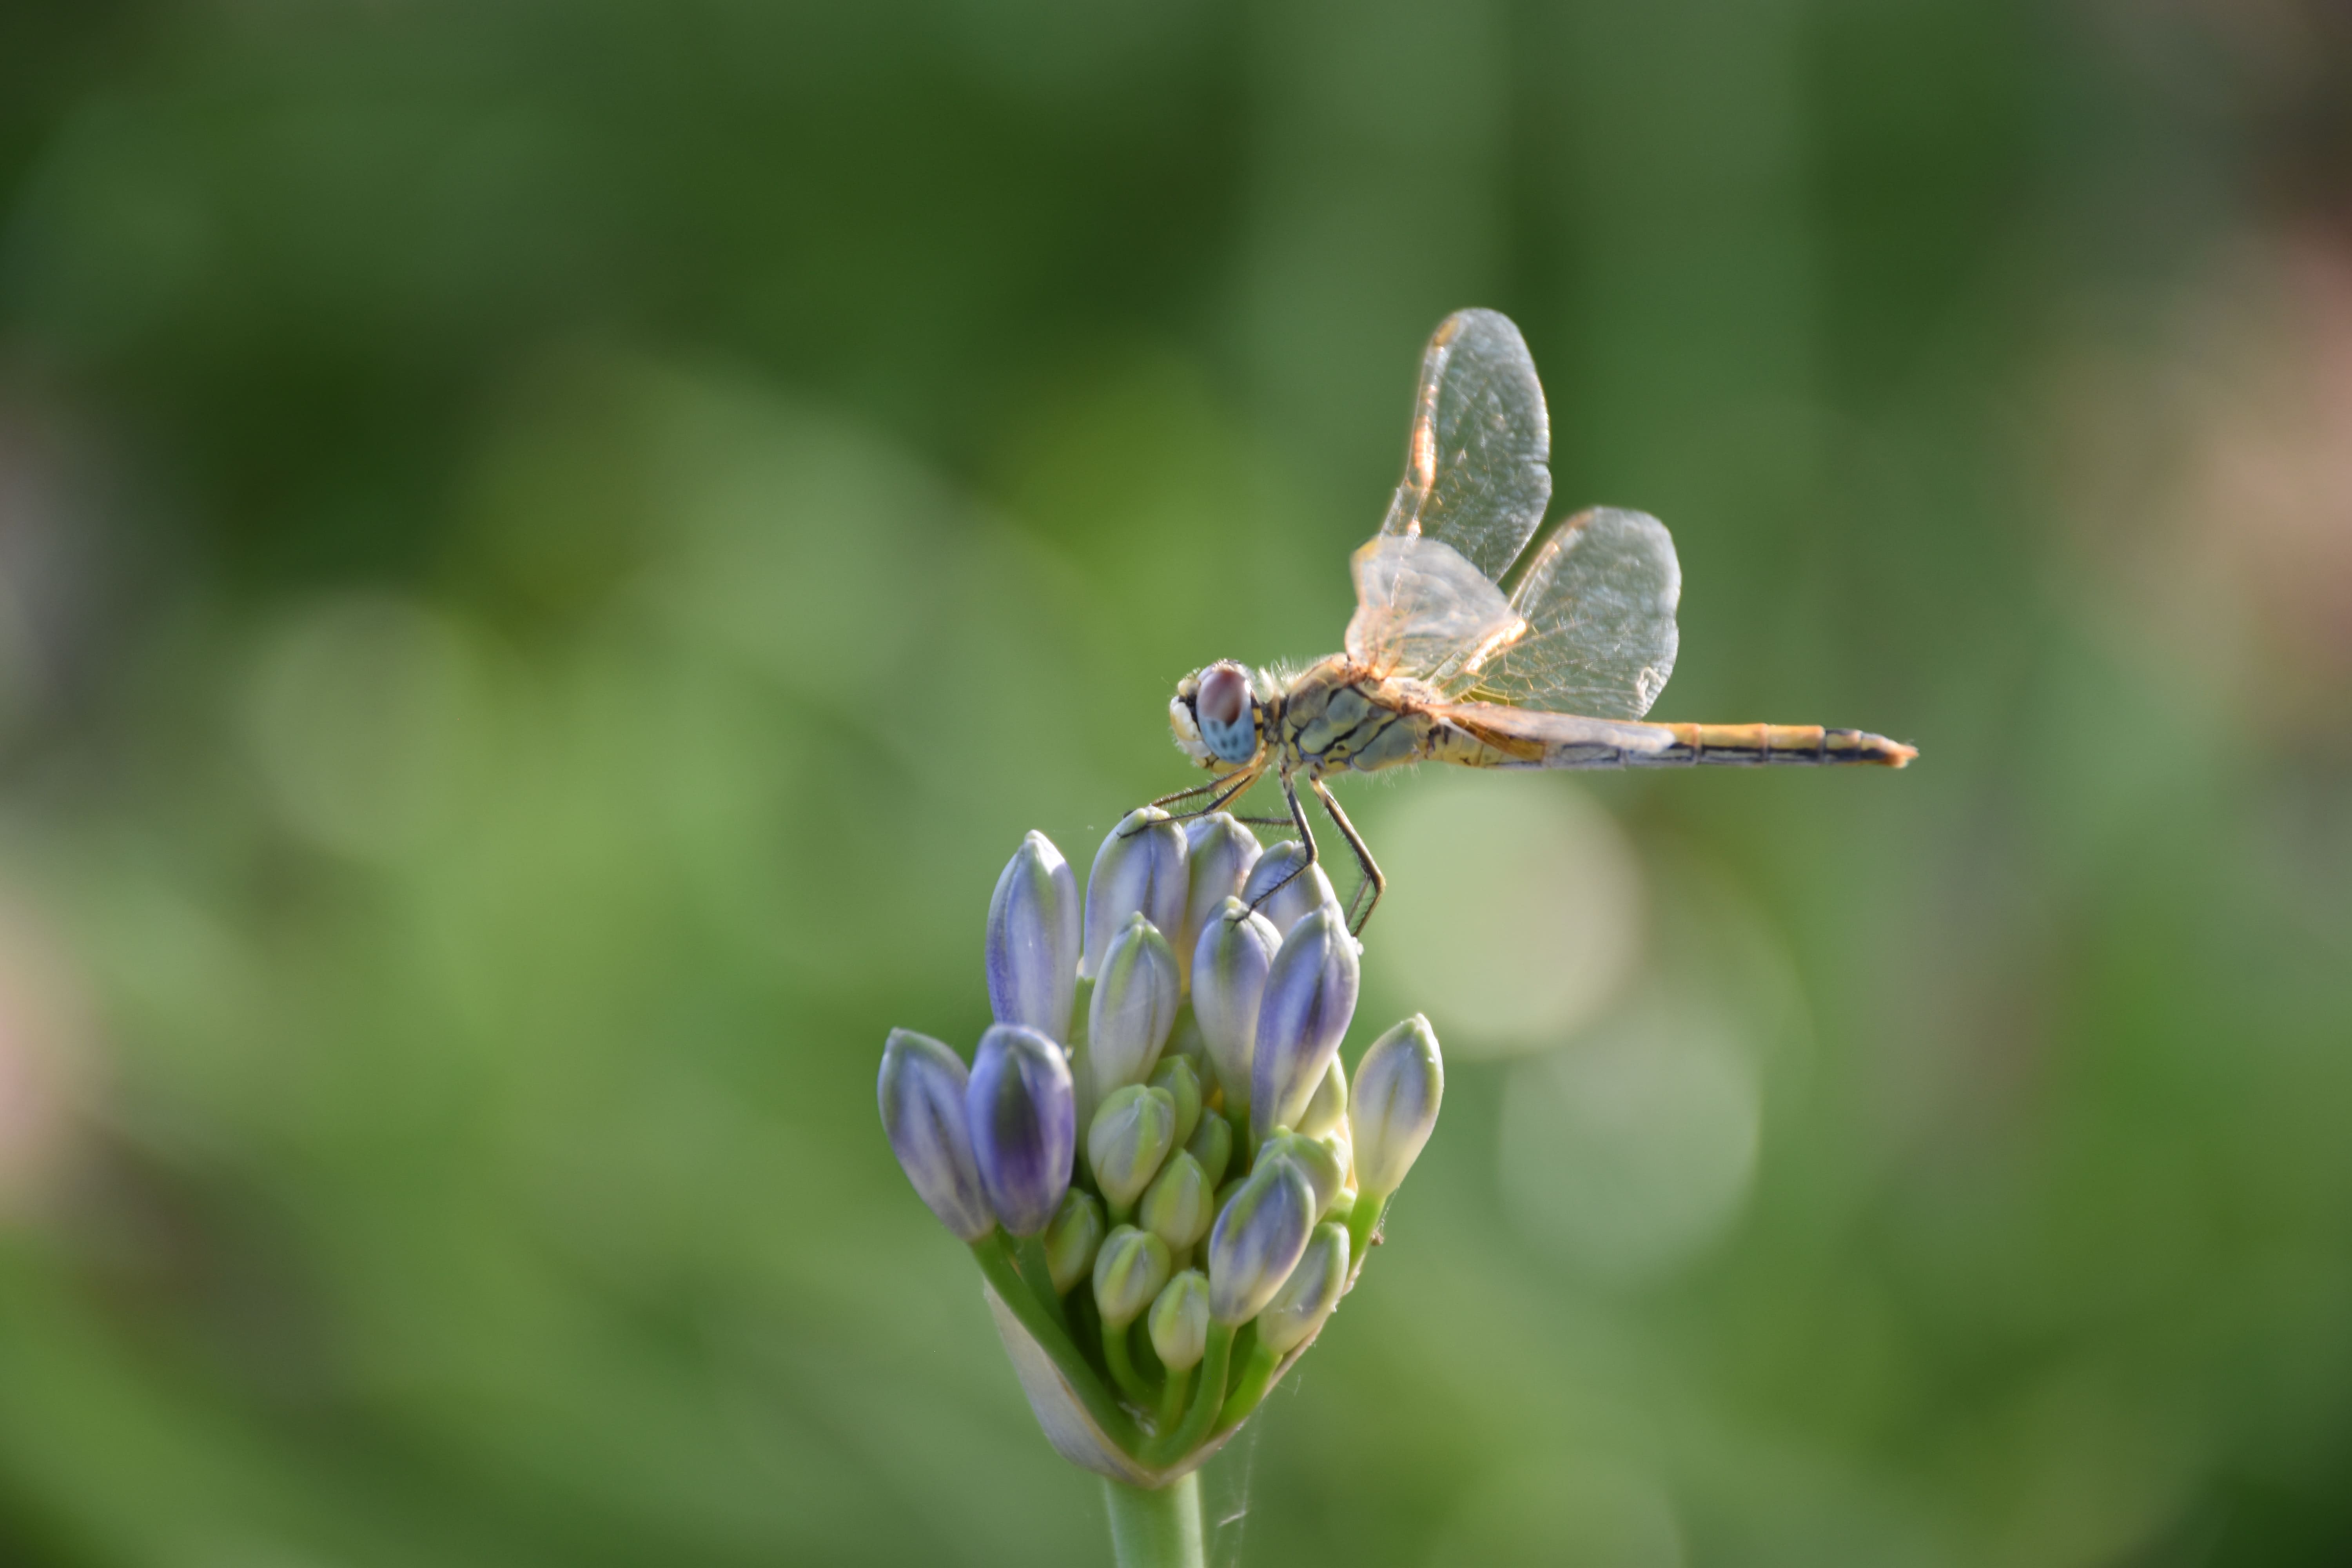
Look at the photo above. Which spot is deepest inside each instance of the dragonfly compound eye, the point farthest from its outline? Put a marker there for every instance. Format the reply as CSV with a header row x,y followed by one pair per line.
x,y
1228,712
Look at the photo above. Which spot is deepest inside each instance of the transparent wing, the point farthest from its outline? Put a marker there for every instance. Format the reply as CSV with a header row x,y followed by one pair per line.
x,y
1424,611
1475,473
1598,599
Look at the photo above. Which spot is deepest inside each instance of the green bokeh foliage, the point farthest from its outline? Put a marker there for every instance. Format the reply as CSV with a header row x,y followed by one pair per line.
x,y
554,551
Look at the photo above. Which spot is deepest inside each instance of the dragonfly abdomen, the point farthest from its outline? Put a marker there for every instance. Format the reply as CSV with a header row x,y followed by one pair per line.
x,y
1772,746
1486,735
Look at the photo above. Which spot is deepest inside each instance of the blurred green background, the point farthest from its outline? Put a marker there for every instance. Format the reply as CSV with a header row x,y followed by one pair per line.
x,y
549,552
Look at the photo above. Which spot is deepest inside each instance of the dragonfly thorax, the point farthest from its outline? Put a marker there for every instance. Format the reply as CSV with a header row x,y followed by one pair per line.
x,y
1218,716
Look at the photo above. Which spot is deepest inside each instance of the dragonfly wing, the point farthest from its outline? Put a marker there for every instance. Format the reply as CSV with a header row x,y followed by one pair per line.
x,y
1424,611
1475,471
1599,601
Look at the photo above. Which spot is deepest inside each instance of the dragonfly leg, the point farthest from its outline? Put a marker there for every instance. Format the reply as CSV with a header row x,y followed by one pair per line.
x,y
1240,778
1370,868
1306,836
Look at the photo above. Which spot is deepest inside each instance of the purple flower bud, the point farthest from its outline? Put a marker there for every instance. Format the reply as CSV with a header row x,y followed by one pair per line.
x,y
1399,1084
1257,1240
1230,964
1132,1009
1308,1296
1300,896
1310,995
1032,939
1219,854
1139,869
922,1095
1024,1125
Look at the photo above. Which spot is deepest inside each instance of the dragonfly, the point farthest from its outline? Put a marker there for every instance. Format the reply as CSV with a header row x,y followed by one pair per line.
x,y
1474,642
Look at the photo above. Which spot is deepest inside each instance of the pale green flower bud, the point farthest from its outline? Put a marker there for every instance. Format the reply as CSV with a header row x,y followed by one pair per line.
x,y
1212,1143
1134,1006
1399,1084
1129,1136
1329,1109
1308,1296
1180,1321
1326,1173
1230,963
1071,1239
1129,1272
922,1090
1218,860
1310,995
1299,897
1175,1207
1032,939
1257,1239
1139,869
1176,1075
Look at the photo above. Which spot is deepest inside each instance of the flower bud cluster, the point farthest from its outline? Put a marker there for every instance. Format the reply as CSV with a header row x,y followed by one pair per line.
x,y
1156,1155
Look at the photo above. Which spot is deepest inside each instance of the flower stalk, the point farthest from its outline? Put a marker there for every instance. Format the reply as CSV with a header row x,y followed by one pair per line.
x,y
1167,1178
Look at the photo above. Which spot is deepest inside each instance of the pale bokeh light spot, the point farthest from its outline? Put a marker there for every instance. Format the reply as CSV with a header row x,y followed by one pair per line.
x,y
1514,910
361,715
1632,1151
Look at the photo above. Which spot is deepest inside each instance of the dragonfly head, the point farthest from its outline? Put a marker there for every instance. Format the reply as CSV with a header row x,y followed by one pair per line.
x,y
1217,715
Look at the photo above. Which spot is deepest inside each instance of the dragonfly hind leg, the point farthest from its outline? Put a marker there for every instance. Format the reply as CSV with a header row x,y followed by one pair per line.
x,y
1372,879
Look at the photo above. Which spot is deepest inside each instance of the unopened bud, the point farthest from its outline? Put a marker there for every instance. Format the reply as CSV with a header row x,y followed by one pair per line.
x,y
1212,1143
1175,1207
1310,995
1129,1272
1180,1321
1032,939
1258,1238
1218,858
1230,963
922,1090
1308,1296
1329,1108
1399,1084
1024,1120
1175,1074
1294,898
1133,1006
1071,1239
1129,1136
1326,1173
1139,869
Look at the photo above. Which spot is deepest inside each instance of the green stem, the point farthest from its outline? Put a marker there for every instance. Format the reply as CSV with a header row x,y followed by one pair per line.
x,y
1121,1361
1158,1528
1256,1373
1361,1222
1207,1399
995,1257
1030,1254
1173,1397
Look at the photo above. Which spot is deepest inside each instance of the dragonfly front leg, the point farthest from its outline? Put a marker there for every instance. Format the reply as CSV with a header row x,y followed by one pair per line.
x,y
1306,838
1370,868
1239,779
